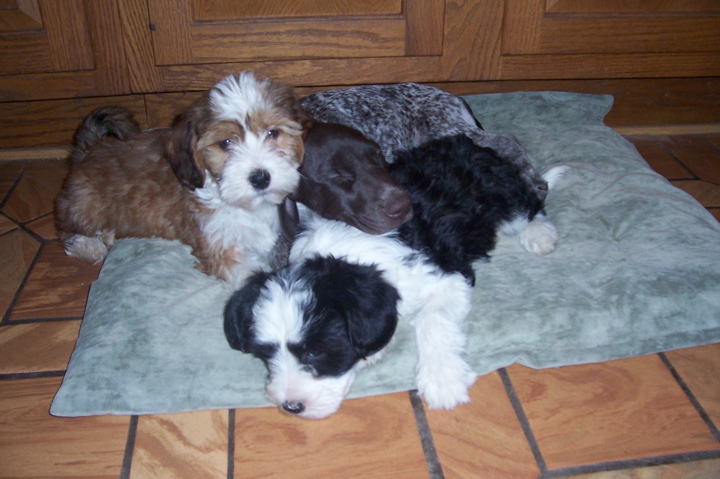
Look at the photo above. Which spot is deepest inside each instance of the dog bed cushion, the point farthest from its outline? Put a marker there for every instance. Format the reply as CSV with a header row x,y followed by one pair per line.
x,y
635,272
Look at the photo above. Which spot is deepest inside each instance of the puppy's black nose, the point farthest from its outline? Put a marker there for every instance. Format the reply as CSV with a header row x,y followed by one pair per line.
x,y
260,179
293,407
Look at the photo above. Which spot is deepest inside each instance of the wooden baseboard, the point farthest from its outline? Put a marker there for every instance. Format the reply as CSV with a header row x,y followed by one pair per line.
x,y
687,129
37,153
693,103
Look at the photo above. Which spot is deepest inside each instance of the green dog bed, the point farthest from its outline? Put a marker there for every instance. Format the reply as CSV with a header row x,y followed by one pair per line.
x,y
636,271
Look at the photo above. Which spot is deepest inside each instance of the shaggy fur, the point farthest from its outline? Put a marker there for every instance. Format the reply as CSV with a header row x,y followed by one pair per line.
x,y
461,194
428,261
403,116
213,180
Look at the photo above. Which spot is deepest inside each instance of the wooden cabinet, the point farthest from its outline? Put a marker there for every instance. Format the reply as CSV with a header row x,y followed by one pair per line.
x,y
60,49
307,42
59,58
610,39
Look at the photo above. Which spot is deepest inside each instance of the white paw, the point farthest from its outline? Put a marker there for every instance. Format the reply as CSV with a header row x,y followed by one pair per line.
x,y
539,237
92,250
446,387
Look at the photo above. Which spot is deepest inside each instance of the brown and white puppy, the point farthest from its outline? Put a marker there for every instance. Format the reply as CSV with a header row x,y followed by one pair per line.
x,y
213,180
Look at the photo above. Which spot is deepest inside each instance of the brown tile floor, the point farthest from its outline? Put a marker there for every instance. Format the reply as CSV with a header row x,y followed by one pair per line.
x,y
649,417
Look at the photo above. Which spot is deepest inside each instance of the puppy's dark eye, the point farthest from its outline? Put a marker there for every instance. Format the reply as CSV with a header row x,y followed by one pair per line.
x,y
272,134
343,178
225,144
313,354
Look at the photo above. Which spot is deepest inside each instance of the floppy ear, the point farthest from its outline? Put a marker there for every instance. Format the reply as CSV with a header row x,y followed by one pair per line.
x,y
180,152
359,295
371,324
302,117
239,317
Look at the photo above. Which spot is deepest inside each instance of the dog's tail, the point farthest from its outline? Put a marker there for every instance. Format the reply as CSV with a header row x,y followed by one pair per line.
x,y
554,175
102,122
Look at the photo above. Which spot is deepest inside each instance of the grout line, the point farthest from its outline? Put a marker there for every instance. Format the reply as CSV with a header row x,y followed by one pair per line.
x,y
14,185
6,318
522,417
431,458
630,464
33,375
688,392
129,448
231,444
672,154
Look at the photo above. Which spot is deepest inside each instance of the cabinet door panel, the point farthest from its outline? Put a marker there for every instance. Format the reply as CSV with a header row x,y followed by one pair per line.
x,y
220,31
596,38
38,36
60,49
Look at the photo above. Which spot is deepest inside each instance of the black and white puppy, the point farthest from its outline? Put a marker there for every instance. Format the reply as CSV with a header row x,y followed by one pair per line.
x,y
405,115
318,321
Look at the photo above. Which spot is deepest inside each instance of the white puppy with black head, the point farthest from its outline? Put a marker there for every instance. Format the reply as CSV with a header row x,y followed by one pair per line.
x,y
318,321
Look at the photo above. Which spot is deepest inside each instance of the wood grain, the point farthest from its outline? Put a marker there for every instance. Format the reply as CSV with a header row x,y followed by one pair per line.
x,y
370,438
697,154
660,158
68,38
707,194
53,122
19,250
699,367
57,287
231,9
648,7
34,347
188,445
142,72
108,74
35,444
483,438
611,411
34,195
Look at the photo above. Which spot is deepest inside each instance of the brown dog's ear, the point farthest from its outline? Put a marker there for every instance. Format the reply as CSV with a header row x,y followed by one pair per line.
x,y
180,152
303,118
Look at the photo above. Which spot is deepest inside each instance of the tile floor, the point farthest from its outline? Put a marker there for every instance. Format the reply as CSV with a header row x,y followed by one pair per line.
x,y
649,417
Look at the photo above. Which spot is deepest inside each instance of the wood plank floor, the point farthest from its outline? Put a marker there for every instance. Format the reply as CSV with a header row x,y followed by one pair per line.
x,y
654,416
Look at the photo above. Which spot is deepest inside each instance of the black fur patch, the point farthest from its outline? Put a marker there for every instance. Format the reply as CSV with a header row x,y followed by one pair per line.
x,y
461,194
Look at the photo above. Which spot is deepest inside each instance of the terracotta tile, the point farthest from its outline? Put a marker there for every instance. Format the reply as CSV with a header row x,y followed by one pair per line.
x,y
35,193
9,173
191,445
689,470
707,194
57,286
713,139
44,227
659,158
618,410
371,437
19,250
699,367
35,444
715,212
34,347
483,438
697,154
6,224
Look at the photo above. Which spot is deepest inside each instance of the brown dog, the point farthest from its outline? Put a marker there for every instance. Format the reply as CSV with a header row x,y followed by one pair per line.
x,y
345,178
213,180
